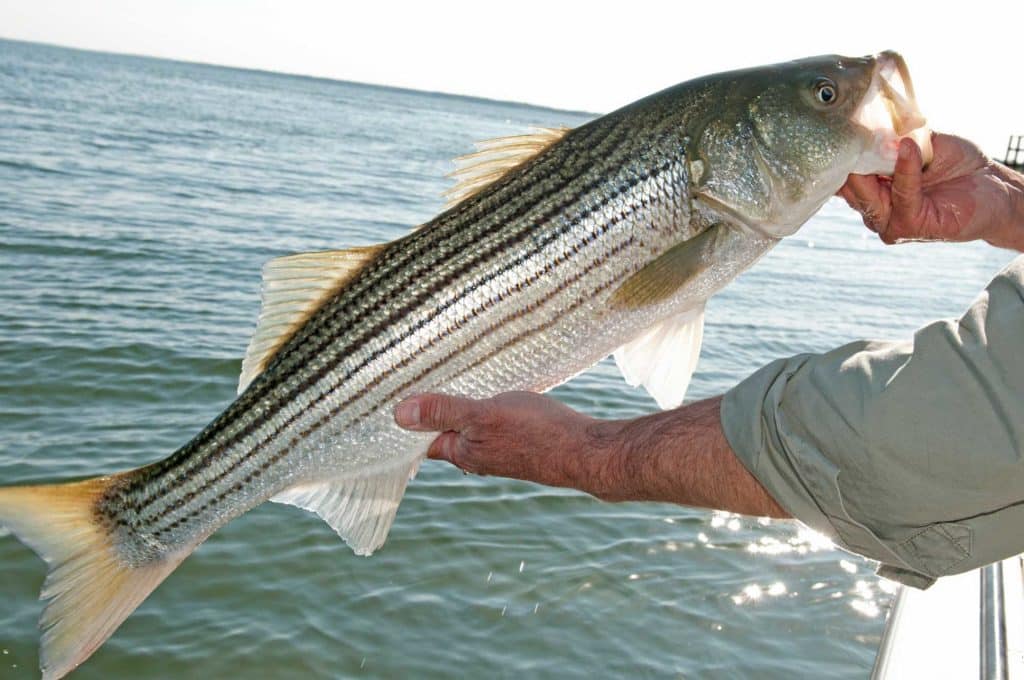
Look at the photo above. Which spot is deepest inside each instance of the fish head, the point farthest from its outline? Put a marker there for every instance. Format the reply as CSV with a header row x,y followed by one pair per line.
x,y
790,134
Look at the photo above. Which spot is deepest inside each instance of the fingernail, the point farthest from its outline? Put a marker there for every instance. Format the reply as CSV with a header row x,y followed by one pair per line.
x,y
407,413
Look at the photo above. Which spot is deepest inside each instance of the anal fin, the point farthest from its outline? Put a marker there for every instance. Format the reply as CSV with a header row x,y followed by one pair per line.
x,y
360,509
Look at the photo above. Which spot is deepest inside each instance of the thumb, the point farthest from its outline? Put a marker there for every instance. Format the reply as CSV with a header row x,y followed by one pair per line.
x,y
907,198
435,412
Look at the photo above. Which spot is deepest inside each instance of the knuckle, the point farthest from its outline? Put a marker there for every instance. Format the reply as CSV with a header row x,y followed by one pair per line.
x,y
432,408
444,412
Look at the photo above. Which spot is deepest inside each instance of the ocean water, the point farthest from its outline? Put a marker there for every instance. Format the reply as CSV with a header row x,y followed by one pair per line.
x,y
138,200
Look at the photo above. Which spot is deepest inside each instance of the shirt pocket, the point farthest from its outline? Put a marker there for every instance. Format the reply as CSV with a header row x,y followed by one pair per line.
x,y
937,549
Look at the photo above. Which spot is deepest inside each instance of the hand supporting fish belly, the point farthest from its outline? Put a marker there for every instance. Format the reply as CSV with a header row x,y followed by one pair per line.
x,y
558,248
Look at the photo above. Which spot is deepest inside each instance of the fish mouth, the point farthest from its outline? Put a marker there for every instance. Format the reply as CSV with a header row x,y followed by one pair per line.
x,y
889,113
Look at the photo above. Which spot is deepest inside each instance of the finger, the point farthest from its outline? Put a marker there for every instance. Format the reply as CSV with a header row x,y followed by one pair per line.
x,y
444,447
907,197
434,412
878,215
868,195
860,191
453,448
846,193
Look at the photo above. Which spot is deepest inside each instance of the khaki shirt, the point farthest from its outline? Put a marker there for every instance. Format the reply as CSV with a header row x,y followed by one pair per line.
x,y
909,453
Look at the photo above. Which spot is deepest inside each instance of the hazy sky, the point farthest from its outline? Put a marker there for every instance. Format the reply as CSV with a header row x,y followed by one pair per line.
x,y
966,62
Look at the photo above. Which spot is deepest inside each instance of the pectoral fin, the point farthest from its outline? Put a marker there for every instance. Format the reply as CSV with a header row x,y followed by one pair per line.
x,y
675,268
663,359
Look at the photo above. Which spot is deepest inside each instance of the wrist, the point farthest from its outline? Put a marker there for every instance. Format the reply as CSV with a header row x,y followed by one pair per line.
x,y
1009,232
603,460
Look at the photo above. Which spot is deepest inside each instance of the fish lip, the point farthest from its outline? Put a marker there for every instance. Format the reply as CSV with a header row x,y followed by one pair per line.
x,y
889,111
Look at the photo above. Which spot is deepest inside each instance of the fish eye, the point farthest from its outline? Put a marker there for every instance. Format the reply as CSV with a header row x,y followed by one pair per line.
x,y
825,91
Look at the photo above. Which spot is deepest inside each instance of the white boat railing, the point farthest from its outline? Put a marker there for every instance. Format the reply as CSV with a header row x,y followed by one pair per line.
x,y
966,626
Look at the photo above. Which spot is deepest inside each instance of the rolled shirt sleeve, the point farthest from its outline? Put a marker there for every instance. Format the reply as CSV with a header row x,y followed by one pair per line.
x,y
908,453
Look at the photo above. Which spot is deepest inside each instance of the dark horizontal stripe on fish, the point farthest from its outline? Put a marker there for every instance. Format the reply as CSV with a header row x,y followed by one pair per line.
x,y
265,465
493,327
267,382
508,318
600,205
205,484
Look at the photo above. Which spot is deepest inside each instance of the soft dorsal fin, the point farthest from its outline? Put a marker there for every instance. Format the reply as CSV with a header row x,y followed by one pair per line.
x,y
495,157
664,357
295,286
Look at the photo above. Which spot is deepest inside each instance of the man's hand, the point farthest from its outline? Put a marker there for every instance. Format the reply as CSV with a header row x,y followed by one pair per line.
x,y
517,434
961,196
679,456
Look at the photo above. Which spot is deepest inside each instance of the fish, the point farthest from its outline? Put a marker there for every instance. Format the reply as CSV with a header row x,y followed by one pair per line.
x,y
558,248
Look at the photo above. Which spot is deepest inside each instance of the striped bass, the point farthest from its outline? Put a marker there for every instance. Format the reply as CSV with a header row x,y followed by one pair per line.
x,y
559,248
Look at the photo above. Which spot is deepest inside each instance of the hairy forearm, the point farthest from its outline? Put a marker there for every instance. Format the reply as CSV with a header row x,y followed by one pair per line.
x,y
678,456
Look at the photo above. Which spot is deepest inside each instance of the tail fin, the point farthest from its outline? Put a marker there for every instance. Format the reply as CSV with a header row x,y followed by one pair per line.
x,y
89,589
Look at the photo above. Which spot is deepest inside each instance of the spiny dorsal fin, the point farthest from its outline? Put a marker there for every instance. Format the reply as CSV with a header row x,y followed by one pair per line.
x,y
495,157
294,286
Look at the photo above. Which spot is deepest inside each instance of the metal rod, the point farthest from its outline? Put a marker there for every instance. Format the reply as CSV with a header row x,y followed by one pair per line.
x,y
993,624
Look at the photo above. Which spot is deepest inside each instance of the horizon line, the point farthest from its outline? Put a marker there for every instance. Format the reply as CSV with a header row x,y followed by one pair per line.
x,y
307,76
